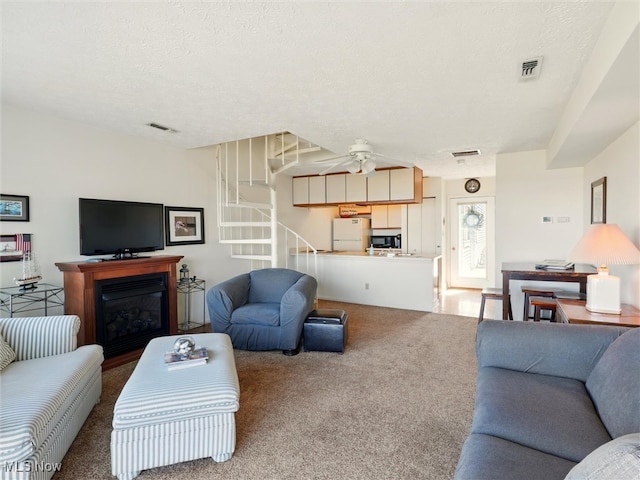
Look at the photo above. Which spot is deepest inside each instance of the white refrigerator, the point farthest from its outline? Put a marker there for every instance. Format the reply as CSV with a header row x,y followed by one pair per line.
x,y
351,234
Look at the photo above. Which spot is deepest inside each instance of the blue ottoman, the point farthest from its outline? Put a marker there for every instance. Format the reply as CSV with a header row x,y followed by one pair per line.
x,y
325,330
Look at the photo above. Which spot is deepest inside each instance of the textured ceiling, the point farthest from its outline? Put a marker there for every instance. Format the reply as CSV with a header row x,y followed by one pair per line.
x,y
417,80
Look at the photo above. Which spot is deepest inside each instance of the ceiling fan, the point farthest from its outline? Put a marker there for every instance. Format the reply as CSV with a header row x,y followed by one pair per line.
x,y
359,159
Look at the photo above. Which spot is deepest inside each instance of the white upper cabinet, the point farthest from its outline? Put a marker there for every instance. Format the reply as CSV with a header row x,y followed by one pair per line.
x,y
317,190
300,190
388,186
356,188
378,186
336,188
401,184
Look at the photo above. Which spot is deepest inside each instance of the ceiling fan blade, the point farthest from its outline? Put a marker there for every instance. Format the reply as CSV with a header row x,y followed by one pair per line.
x,y
332,159
335,165
402,163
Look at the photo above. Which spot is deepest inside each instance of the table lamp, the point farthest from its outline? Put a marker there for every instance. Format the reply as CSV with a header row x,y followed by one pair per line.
x,y
604,244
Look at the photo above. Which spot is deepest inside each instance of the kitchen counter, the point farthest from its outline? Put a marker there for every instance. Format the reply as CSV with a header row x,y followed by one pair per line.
x,y
379,254
395,281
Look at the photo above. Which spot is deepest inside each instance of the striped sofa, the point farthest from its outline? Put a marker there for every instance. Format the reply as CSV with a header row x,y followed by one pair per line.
x,y
46,393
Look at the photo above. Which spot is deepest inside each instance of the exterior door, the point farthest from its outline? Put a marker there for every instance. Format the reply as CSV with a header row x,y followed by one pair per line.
x,y
472,242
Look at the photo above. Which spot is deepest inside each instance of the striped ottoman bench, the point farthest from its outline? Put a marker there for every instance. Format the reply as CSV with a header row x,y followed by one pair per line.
x,y
164,417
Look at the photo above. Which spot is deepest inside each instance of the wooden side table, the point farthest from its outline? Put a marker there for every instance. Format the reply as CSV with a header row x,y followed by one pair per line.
x,y
574,311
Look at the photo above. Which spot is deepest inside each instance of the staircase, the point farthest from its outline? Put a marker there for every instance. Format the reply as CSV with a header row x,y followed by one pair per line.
x,y
246,171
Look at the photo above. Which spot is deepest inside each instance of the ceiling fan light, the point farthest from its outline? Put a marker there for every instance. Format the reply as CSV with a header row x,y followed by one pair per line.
x,y
368,167
353,167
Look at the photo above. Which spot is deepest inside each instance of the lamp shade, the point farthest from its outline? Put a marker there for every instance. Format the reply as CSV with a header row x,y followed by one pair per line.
x,y
605,244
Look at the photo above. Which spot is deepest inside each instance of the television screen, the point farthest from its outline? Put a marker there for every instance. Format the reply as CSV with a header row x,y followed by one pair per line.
x,y
120,228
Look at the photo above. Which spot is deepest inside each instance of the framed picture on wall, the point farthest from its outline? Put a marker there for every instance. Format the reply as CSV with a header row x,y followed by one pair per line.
x,y
599,201
12,247
14,208
183,225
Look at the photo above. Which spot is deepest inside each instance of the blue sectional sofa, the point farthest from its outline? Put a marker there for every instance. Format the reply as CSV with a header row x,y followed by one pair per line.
x,y
551,399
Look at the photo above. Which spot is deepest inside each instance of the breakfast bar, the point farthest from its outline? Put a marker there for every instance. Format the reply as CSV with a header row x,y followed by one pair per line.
x,y
393,280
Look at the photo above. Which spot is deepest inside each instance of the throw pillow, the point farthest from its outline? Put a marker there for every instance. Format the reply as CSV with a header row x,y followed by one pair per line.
x,y
619,459
7,355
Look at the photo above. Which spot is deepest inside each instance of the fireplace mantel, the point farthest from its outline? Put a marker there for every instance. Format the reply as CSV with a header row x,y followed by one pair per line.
x,y
79,292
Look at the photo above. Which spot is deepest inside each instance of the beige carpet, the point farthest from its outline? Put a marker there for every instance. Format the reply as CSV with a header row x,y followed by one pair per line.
x,y
396,405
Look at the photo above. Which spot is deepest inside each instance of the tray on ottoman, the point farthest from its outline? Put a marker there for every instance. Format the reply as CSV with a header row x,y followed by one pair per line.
x,y
325,330
167,416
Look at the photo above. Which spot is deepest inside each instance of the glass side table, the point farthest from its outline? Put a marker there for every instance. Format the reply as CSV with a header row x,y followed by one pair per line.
x,y
186,288
43,296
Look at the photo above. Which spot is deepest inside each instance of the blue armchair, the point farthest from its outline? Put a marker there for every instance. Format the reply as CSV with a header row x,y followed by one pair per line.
x,y
264,309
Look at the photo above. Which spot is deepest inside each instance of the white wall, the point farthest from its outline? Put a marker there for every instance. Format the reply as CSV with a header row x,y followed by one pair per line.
x,y
620,163
55,161
525,192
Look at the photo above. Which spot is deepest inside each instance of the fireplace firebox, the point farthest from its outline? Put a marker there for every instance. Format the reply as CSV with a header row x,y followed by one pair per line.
x,y
130,311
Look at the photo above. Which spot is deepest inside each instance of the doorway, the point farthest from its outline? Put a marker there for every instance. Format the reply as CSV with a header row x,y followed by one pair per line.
x,y
472,244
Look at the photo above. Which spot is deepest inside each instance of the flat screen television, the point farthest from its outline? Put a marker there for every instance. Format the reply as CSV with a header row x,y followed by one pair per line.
x,y
121,228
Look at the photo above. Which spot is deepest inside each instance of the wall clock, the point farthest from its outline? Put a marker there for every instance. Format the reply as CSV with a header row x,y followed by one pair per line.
x,y
472,185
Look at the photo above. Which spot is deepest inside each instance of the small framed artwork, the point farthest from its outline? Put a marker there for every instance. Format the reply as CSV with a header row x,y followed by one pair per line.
x,y
12,247
184,226
599,201
14,208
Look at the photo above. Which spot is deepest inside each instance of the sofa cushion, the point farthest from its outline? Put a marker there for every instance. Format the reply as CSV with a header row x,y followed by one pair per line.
x,y
485,457
614,385
7,355
619,459
30,414
552,414
257,314
268,285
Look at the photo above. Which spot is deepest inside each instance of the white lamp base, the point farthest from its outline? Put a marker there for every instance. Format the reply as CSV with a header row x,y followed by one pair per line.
x,y
603,294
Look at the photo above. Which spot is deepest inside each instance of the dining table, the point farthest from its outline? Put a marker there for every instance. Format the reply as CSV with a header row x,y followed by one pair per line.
x,y
528,271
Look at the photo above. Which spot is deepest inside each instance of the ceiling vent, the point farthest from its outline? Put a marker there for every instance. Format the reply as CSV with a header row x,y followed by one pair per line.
x,y
465,153
531,68
162,127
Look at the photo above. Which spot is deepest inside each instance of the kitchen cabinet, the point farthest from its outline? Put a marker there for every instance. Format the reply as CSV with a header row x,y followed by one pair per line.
x,y
336,188
402,184
388,186
317,190
423,231
386,216
378,186
395,185
356,188
300,190
308,191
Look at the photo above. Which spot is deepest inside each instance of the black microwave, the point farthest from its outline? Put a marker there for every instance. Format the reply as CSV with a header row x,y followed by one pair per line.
x,y
386,241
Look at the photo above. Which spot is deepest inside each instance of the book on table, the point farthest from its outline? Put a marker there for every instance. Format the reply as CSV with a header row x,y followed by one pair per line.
x,y
175,360
555,265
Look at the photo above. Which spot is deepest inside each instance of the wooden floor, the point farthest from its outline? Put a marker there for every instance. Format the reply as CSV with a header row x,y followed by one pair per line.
x,y
466,302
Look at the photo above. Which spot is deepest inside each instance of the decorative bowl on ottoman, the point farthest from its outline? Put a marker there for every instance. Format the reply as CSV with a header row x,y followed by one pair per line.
x,y
325,330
